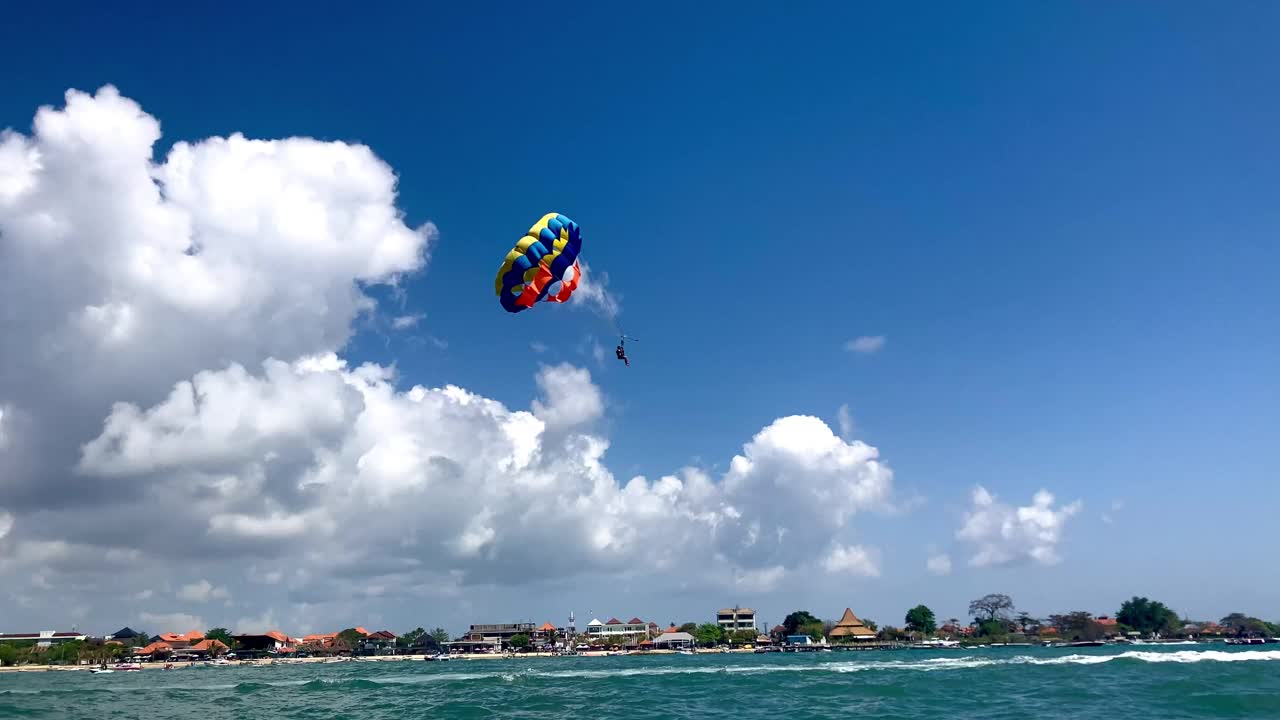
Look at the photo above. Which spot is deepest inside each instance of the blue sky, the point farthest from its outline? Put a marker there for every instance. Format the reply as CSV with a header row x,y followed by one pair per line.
x,y
1059,216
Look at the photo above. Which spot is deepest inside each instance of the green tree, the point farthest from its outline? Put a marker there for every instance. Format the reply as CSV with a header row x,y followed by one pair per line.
x,y
8,655
920,619
708,634
440,635
997,630
1148,616
797,619
988,608
742,637
1078,625
1025,621
815,630
349,640
519,642
142,639
870,624
222,635
410,637
689,627
1242,625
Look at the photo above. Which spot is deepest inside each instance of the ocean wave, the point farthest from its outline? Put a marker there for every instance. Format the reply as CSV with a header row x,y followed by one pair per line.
x,y
1181,656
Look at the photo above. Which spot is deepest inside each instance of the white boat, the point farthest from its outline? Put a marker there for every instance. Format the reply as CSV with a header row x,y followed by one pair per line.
x,y
128,667
937,643
684,652
101,670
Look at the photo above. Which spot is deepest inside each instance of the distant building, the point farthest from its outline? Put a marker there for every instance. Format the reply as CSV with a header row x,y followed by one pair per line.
x,y
382,642
128,635
617,628
268,643
178,641
494,637
736,618
851,629
673,641
44,638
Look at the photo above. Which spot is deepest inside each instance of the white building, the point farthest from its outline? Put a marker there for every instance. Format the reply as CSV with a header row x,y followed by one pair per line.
x,y
736,618
44,638
616,628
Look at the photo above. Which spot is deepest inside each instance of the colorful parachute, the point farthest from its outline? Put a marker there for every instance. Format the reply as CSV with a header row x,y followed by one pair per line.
x,y
543,266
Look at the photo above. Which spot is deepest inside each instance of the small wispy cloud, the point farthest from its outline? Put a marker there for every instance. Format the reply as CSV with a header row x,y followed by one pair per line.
x,y
538,347
593,293
846,422
404,322
1116,507
865,344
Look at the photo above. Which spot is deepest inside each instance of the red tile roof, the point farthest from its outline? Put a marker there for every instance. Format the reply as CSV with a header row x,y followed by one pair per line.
x,y
193,636
1106,621
362,631
155,647
636,621
277,636
547,627
208,645
614,621
320,638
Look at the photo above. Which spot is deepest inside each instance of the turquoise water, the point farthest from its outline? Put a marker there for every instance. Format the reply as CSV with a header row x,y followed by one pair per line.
x,y
1134,683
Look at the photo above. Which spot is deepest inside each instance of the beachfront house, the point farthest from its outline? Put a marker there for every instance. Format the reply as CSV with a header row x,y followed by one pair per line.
x,y
203,650
851,629
178,641
382,642
615,628
735,618
1110,628
673,641
492,637
262,644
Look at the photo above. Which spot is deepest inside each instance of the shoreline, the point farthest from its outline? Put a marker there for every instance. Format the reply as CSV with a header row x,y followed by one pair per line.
x,y
146,666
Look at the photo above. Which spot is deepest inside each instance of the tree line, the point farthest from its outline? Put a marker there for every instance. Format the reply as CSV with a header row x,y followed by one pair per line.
x,y
995,618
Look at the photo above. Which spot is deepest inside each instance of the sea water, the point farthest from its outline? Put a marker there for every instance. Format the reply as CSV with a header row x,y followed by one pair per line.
x,y
1130,683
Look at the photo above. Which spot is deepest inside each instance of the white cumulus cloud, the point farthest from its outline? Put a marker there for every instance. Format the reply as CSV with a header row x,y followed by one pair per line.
x,y
571,398
183,372
853,560
202,591
1001,534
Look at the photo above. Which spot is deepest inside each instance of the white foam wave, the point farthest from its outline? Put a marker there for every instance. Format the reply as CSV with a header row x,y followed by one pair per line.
x,y
1181,656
